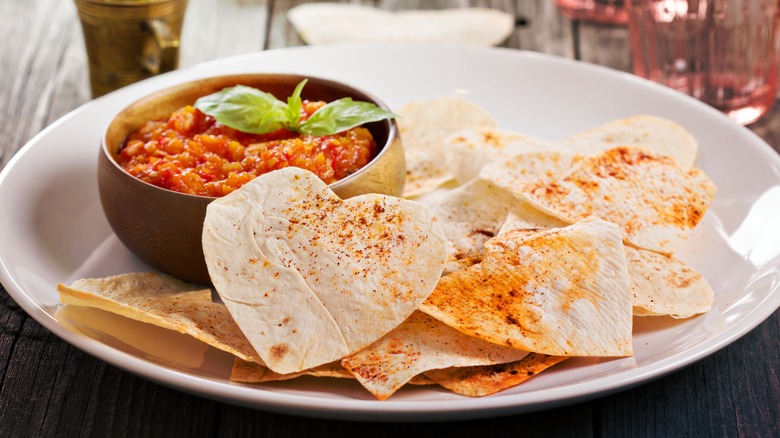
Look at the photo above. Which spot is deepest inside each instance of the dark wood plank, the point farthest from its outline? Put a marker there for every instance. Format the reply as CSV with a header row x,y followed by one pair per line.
x,y
603,45
596,43
731,393
35,37
52,389
281,33
130,406
218,29
245,422
545,29
70,85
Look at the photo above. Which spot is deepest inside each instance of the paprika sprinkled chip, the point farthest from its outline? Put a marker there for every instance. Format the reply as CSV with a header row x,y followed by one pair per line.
x,y
561,292
311,278
419,344
656,203
663,136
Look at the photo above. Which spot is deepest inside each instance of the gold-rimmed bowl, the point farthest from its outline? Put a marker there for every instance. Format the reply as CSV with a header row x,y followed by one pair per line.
x,y
163,227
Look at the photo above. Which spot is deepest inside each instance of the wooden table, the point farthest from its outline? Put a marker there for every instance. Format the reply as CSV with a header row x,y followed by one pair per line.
x,y
49,388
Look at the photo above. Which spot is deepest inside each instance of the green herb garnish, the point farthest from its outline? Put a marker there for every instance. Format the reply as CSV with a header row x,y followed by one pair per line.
x,y
253,111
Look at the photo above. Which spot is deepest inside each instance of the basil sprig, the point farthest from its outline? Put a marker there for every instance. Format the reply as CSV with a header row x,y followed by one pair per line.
x,y
253,111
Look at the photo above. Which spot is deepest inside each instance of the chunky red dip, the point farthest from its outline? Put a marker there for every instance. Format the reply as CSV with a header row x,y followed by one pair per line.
x,y
190,152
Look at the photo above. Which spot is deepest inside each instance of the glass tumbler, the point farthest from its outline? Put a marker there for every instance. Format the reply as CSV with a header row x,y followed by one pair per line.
x,y
129,40
722,52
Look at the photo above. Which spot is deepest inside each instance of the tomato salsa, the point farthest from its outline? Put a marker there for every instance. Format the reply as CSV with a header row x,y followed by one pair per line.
x,y
190,152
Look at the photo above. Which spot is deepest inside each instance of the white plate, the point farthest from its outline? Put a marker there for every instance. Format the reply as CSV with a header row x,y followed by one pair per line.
x,y
52,228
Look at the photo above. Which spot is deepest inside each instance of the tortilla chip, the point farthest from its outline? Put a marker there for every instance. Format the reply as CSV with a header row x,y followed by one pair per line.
x,y
421,380
529,220
423,125
664,285
421,343
341,23
518,171
165,302
478,381
250,372
474,212
659,284
562,292
660,135
311,278
469,150
656,203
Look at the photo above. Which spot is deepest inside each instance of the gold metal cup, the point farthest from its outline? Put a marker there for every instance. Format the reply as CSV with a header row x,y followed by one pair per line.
x,y
130,40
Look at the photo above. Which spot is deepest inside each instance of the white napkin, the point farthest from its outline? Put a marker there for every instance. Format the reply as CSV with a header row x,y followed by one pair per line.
x,y
329,23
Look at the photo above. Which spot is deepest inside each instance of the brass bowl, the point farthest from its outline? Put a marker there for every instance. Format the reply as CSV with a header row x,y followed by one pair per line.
x,y
163,227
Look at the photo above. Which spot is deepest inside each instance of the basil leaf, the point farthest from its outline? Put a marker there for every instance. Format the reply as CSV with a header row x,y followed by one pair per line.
x,y
253,111
294,105
246,109
341,115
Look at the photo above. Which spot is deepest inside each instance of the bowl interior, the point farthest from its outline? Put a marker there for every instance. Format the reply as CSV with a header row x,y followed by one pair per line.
x,y
163,103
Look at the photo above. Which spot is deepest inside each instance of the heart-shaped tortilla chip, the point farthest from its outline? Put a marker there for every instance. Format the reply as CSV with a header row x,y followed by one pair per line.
x,y
656,203
659,284
561,292
420,344
663,136
469,150
311,278
423,125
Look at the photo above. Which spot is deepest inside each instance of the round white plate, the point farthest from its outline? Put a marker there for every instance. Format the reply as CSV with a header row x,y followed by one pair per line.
x,y
52,228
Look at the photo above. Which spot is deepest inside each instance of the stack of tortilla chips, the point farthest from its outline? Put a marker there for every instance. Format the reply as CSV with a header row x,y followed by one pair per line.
x,y
511,254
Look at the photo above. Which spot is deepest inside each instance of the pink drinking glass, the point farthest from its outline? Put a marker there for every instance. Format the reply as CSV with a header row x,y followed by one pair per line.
x,y
722,52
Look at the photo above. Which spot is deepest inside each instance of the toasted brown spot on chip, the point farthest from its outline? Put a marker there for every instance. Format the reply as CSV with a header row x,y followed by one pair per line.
x,y
279,350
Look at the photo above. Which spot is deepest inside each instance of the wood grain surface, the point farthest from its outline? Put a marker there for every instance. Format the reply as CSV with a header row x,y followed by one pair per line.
x,y
49,388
